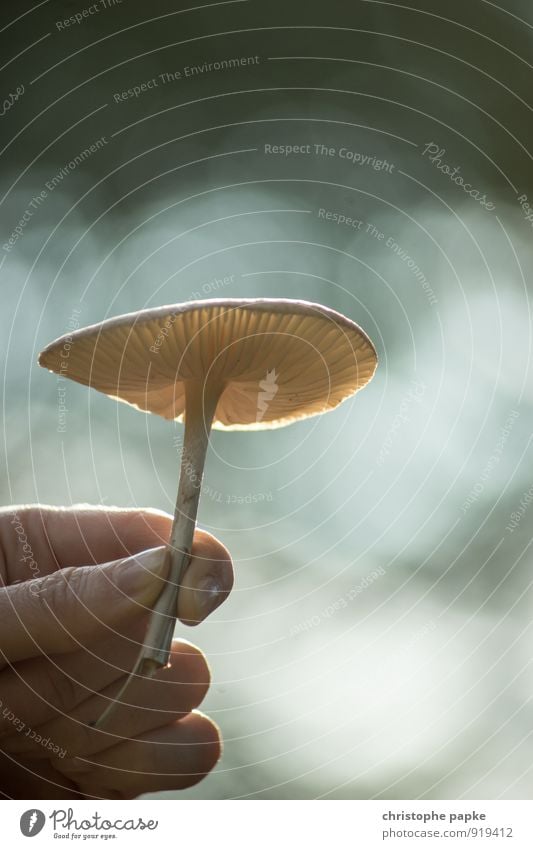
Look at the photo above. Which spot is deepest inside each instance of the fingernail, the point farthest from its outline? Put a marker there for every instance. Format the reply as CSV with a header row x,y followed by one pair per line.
x,y
208,595
140,576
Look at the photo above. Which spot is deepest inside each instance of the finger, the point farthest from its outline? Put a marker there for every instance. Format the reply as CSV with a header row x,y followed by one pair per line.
x,y
27,779
69,608
208,580
36,690
37,540
149,703
170,758
84,535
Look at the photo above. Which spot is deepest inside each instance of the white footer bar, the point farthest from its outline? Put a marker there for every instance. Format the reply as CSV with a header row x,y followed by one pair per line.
x,y
269,824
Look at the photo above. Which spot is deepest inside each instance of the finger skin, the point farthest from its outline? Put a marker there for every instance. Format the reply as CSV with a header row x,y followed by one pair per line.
x,y
80,536
35,690
68,608
170,758
25,779
74,536
208,580
150,703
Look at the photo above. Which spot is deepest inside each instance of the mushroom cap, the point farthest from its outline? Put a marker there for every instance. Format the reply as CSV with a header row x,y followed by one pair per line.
x,y
276,360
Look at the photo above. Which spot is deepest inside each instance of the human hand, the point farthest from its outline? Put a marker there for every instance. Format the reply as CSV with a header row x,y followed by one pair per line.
x,y
76,589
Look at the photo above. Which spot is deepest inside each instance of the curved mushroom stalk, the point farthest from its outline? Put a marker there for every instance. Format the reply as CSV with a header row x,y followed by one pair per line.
x,y
200,405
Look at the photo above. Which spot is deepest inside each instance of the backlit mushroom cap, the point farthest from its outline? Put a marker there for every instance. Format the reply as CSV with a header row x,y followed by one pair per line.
x,y
277,360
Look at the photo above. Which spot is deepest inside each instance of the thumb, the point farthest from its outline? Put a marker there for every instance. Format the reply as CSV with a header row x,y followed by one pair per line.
x,y
63,611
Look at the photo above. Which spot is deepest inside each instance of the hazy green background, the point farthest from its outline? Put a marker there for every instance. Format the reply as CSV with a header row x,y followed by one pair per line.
x,y
419,684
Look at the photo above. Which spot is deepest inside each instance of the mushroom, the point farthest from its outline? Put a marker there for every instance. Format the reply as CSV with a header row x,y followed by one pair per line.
x,y
232,364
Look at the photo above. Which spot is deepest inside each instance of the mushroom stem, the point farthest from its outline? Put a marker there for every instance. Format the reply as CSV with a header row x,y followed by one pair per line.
x,y
200,405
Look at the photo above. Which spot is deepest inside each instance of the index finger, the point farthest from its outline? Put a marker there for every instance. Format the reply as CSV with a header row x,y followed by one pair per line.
x,y
37,540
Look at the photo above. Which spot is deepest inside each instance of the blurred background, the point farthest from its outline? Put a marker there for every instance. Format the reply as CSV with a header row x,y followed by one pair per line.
x,y
378,642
